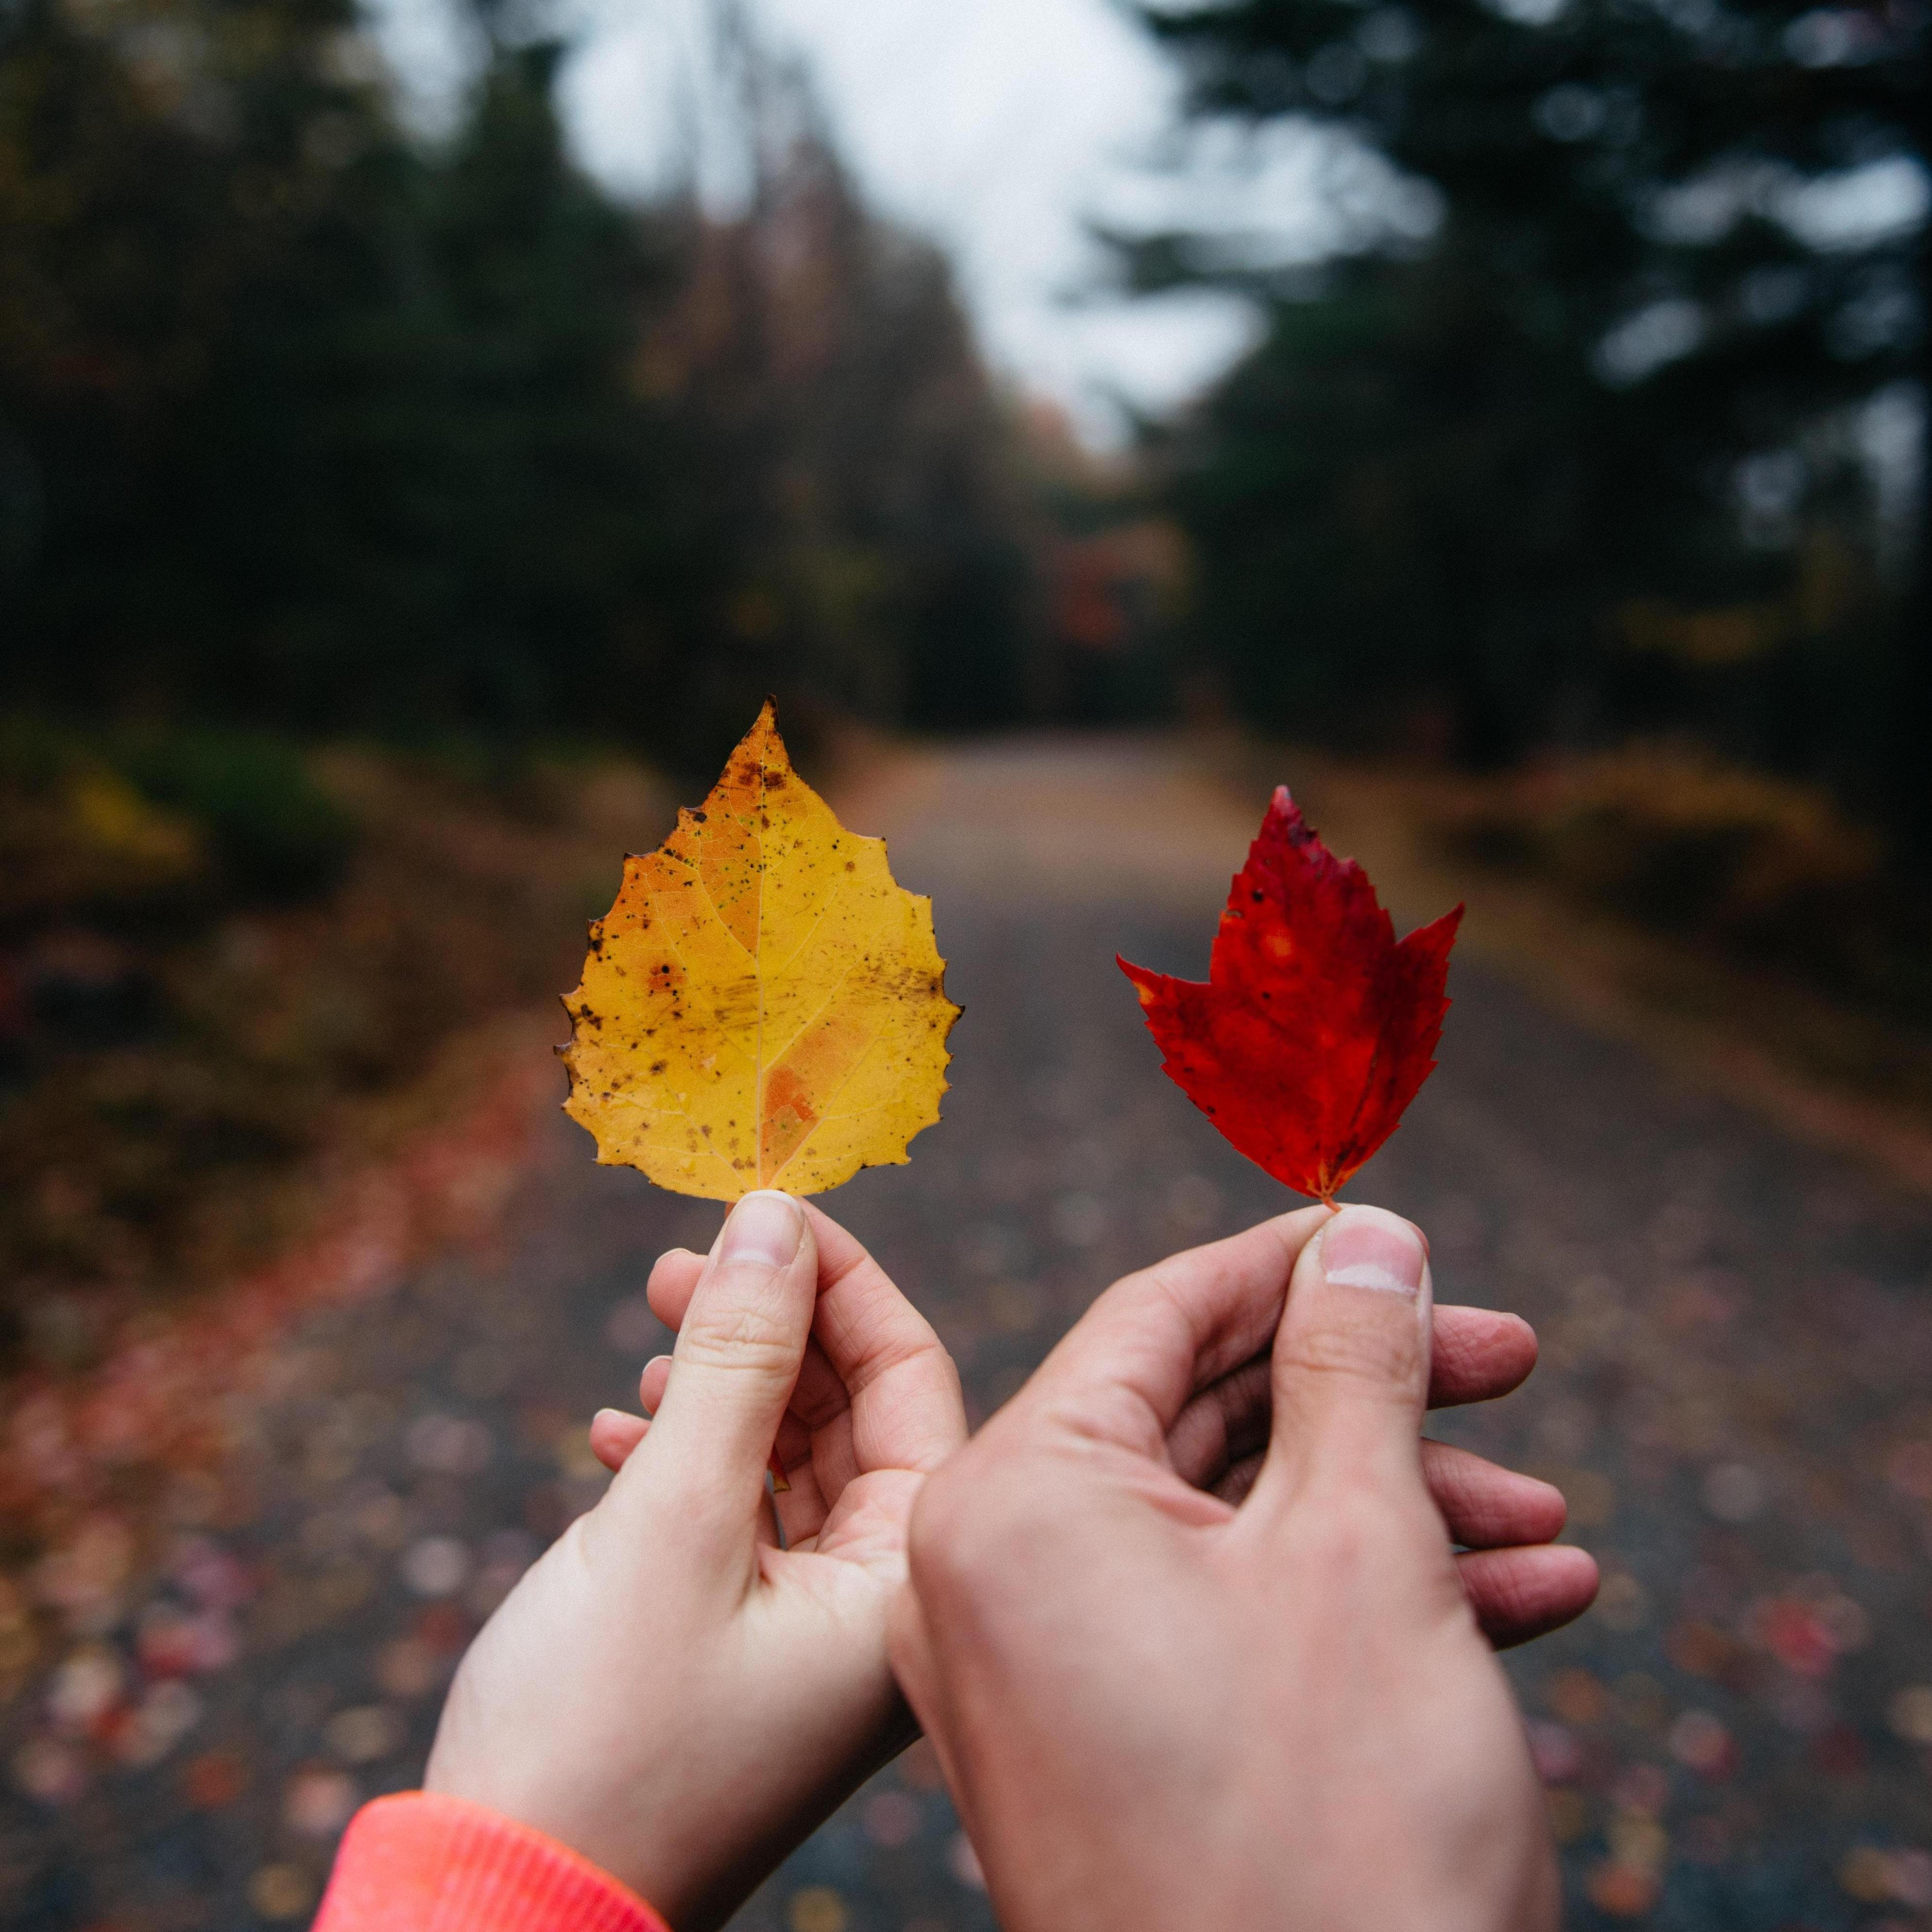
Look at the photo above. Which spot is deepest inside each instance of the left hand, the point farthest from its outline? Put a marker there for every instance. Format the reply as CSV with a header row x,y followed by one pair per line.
x,y
667,1691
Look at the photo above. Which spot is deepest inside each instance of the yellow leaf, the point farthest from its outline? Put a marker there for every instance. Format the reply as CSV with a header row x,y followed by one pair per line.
x,y
763,1006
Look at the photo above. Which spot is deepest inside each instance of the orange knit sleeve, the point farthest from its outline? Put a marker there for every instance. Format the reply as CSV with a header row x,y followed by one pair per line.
x,y
422,1862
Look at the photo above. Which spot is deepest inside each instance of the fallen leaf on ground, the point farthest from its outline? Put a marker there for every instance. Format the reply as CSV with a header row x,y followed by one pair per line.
x,y
1315,1028
763,1006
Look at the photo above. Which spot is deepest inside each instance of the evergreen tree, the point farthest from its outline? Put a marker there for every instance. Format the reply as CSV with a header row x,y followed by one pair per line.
x,y
190,198
305,424
1637,300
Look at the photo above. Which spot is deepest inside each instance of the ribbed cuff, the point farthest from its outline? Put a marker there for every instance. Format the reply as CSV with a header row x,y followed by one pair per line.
x,y
422,1862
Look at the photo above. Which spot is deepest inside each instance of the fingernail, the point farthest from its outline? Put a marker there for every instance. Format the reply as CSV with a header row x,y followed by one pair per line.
x,y
1361,1248
764,1229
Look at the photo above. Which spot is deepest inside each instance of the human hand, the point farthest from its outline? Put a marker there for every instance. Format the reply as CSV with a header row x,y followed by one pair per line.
x,y
668,1691
1159,1706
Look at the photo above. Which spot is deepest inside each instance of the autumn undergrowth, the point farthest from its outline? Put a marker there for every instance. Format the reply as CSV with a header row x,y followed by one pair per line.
x,y
227,961
1756,870
1720,916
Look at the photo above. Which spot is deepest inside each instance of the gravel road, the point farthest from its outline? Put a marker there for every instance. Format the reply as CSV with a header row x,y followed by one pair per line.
x,y
1736,1394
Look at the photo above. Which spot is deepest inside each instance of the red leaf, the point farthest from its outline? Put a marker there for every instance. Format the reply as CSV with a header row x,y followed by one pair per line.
x,y
1315,1028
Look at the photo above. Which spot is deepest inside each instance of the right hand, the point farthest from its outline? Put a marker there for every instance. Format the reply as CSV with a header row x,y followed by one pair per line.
x,y
1178,1678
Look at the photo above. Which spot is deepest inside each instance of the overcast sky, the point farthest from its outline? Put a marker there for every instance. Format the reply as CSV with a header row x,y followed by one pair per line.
x,y
1002,127
998,126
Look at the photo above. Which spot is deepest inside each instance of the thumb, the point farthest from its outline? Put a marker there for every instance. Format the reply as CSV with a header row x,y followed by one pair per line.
x,y
1351,1364
737,1360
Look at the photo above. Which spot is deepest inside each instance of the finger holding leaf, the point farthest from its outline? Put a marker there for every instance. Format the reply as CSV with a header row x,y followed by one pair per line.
x,y
695,1674
876,1390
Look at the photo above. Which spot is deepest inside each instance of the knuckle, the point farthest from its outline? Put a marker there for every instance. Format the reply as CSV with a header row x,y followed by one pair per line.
x,y
1340,1544
748,1332
1349,1538
940,1527
962,1531
736,1353
1381,1354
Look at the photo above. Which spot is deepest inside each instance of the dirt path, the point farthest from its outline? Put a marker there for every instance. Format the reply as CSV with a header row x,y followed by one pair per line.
x,y
1736,1394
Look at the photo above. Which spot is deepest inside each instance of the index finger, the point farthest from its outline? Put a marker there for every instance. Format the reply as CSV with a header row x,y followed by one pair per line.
x,y
1128,1367
882,1359
1478,1354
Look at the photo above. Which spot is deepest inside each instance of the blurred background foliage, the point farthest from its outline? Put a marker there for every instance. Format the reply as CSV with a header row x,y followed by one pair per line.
x,y
315,433
307,426
1593,459
1581,443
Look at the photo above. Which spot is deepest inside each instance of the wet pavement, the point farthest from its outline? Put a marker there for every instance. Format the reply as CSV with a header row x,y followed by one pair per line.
x,y
1736,1394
